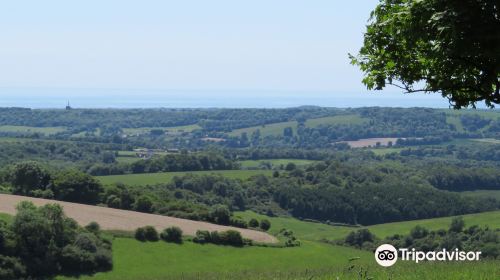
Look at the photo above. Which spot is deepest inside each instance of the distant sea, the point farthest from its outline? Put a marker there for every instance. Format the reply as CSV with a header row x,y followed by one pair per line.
x,y
126,98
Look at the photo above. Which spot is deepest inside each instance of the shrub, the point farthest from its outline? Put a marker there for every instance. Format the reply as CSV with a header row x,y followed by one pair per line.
x,y
11,268
238,222
291,241
140,234
42,242
144,204
220,214
215,237
93,227
172,234
265,225
151,234
202,237
253,223
231,237
457,224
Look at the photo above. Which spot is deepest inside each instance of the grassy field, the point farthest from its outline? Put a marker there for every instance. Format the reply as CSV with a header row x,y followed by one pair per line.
x,y
483,194
317,231
30,129
126,159
312,260
172,129
273,129
453,117
341,119
157,178
152,261
135,260
386,151
5,217
274,162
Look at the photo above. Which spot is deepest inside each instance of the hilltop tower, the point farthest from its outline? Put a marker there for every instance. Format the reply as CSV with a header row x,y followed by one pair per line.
x,y
68,107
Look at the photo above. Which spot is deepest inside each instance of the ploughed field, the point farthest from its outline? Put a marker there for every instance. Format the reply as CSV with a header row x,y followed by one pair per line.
x,y
116,219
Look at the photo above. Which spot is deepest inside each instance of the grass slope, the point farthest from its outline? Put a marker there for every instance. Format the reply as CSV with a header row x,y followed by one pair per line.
x,y
318,231
136,260
312,260
157,178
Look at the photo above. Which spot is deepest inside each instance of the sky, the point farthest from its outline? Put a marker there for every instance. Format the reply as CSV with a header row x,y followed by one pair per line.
x,y
227,48
161,44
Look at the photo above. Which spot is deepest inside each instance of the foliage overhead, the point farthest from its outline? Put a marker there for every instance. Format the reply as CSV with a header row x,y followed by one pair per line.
x,y
445,46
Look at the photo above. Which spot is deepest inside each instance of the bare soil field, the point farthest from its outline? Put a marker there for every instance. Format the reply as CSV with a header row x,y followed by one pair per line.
x,y
116,219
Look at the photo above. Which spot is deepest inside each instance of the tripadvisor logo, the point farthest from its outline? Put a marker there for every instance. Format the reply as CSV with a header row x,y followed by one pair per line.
x,y
386,255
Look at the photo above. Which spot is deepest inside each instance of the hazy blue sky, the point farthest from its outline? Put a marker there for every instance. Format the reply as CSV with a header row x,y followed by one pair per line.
x,y
161,44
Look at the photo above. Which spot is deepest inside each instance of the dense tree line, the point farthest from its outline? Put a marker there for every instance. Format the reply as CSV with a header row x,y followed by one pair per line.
x,y
42,242
77,154
450,178
33,179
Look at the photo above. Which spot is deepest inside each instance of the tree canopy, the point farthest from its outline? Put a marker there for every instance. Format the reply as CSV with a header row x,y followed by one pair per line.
x,y
445,46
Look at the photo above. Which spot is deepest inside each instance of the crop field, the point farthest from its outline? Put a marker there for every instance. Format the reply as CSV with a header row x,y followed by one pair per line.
x,y
165,177
274,162
123,220
30,129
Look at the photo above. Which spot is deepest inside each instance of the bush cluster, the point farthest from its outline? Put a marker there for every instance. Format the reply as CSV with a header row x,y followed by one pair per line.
x,y
230,237
42,242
